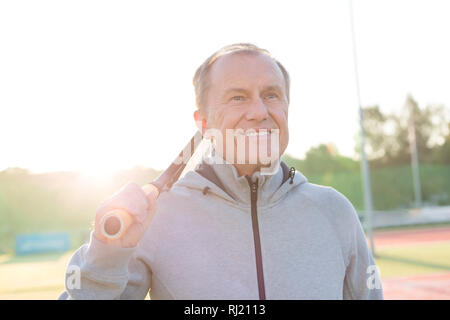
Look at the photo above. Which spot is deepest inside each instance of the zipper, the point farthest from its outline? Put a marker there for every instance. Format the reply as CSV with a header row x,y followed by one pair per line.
x,y
256,239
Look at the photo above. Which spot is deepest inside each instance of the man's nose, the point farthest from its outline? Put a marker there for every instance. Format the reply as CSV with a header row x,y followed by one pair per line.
x,y
257,111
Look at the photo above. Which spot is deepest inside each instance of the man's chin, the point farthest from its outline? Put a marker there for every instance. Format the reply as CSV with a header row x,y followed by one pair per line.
x,y
262,161
266,168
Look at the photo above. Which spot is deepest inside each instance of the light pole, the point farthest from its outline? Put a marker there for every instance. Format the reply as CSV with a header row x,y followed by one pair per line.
x,y
364,164
410,104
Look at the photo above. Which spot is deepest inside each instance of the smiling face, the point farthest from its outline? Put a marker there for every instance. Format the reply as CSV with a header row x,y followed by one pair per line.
x,y
247,91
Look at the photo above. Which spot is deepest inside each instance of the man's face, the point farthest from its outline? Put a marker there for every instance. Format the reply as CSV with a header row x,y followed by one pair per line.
x,y
248,91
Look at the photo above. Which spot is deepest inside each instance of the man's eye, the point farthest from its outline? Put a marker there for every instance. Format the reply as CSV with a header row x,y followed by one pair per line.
x,y
272,96
238,98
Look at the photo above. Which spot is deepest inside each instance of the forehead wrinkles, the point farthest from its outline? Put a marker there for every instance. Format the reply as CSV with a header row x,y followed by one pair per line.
x,y
245,69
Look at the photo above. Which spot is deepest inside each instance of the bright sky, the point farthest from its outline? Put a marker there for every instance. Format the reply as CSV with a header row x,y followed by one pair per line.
x,y
104,85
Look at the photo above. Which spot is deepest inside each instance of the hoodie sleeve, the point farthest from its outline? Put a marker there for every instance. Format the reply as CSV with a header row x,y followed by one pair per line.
x,y
362,278
101,271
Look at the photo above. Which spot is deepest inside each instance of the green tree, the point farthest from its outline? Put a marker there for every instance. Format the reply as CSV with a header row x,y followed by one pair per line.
x,y
388,140
322,159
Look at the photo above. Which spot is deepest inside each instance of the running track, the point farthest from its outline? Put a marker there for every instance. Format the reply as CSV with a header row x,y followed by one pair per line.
x,y
430,286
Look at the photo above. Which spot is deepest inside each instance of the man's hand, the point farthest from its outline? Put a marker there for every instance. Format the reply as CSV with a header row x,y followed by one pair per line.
x,y
139,203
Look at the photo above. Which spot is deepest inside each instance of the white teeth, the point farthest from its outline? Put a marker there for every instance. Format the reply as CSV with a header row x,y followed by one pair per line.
x,y
259,133
254,134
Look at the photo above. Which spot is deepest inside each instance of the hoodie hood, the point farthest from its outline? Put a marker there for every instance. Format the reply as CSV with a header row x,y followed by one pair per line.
x,y
220,178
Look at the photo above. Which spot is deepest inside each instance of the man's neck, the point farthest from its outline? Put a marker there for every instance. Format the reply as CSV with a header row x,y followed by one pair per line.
x,y
246,169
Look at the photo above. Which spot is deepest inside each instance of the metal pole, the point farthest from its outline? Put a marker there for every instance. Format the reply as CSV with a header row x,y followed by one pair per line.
x,y
364,164
413,150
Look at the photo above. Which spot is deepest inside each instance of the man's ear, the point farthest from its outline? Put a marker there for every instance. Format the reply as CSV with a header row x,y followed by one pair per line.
x,y
200,121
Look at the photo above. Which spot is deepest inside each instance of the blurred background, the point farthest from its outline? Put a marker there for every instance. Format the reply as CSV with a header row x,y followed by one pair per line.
x,y
94,94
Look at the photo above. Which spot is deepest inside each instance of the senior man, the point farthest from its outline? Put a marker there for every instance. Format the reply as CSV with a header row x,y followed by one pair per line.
x,y
229,229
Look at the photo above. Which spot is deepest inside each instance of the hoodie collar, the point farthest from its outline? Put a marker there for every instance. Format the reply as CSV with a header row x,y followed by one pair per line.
x,y
236,189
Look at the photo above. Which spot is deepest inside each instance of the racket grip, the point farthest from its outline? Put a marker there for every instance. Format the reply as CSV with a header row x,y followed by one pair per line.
x,y
115,223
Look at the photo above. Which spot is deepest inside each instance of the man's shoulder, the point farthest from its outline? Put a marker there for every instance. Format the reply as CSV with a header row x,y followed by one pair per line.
x,y
336,208
329,201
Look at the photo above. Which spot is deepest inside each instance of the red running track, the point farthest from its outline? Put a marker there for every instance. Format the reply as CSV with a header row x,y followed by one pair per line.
x,y
435,286
413,236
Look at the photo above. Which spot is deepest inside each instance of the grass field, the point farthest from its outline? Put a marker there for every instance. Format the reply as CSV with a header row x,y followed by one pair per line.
x,y
415,259
32,277
42,276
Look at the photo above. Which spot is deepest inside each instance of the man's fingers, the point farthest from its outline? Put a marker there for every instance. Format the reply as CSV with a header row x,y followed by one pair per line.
x,y
140,205
152,194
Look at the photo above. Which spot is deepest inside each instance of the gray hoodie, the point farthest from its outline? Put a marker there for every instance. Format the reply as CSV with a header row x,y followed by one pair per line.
x,y
216,235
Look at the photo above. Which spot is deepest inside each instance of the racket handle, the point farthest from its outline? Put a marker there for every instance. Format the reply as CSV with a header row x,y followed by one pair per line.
x,y
115,223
